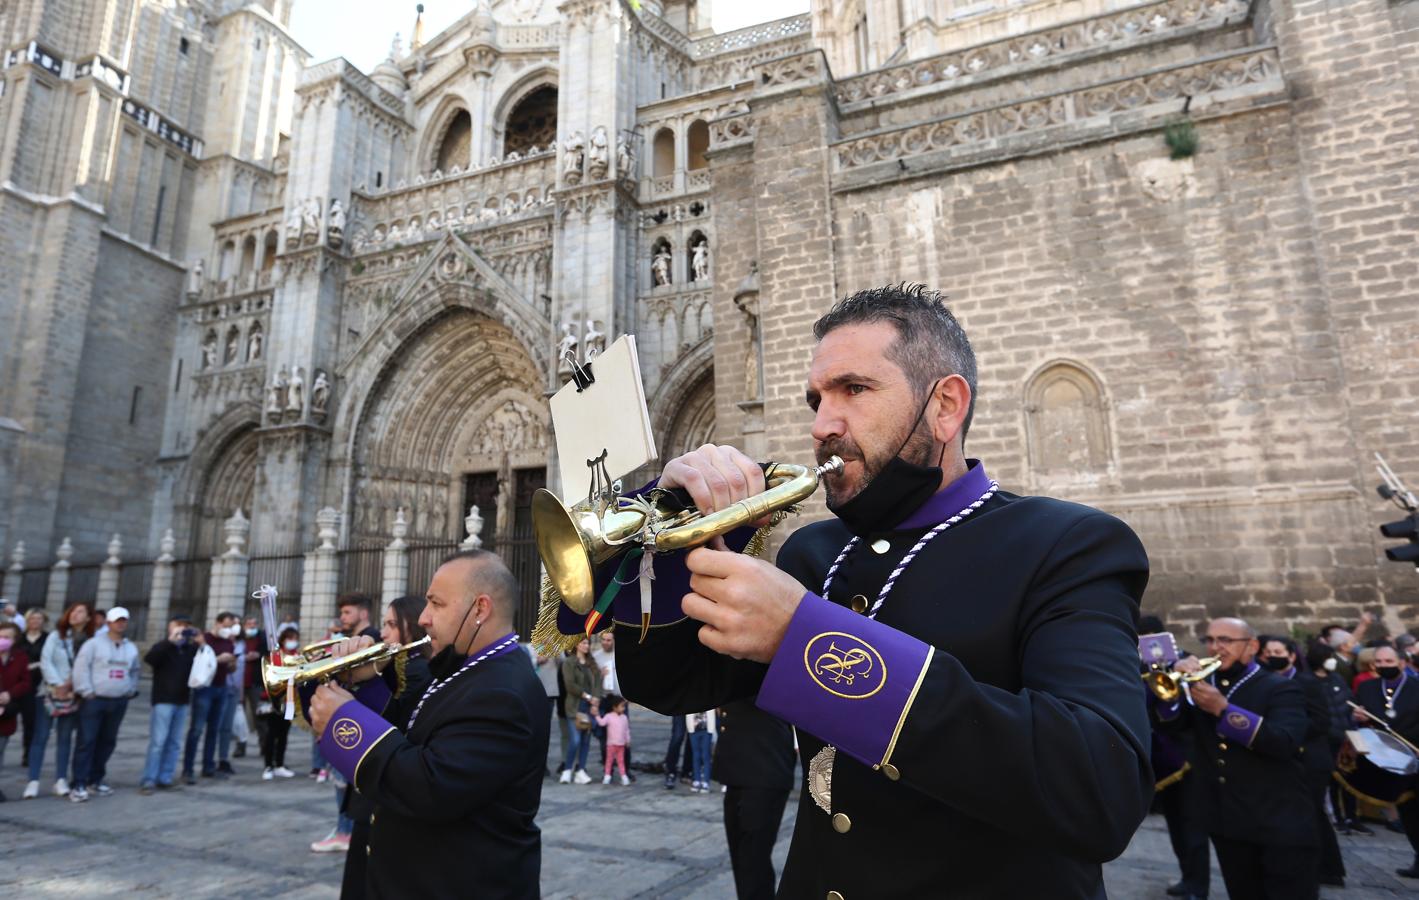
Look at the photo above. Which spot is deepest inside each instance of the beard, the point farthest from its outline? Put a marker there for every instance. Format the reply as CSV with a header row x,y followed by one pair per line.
x,y
915,448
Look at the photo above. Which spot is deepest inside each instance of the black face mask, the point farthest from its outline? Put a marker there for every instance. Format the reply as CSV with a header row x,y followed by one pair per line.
x,y
1277,663
448,660
896,492
1388,673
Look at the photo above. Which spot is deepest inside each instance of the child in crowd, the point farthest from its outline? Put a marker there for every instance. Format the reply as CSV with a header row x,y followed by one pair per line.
x,y
618,736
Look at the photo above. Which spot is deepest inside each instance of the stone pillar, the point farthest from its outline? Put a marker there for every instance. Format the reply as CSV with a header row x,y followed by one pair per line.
x,y
15,576
473,522
160,594
107,594
396,561
59,581
227,589
321,578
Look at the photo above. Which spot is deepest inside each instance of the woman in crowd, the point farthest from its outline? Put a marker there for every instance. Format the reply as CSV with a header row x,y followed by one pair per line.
x,y
583,681
14,684
32,642
58,707
273,711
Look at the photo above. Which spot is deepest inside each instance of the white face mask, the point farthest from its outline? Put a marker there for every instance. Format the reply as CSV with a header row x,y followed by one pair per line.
x,y
230,631
292,645
1329,664
251,632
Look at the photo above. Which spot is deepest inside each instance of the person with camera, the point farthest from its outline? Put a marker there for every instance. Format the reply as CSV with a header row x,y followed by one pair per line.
x,y
171,660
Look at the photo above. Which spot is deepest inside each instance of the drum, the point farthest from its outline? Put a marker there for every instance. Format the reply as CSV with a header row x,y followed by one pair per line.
x,y
1376,766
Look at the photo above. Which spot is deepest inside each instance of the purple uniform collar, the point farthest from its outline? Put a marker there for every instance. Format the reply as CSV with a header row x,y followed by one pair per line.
x,y
951,499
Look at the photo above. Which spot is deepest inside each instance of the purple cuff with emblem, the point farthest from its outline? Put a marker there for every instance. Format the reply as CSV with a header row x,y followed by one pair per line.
x,y
1238,724
669,587
350,734
845,678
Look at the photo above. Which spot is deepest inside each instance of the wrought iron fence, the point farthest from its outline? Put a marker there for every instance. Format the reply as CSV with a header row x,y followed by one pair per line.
x,y
362,570
284,572
34,586
83,584
135,586
424,560
519,550
191,579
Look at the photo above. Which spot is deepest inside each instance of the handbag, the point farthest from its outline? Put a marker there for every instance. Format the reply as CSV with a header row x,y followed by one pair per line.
x,y
583,716
204,668
57,708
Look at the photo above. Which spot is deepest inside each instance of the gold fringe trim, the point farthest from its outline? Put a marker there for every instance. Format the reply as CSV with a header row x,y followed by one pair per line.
x,y
401,680
1173,778
1361,795
548,640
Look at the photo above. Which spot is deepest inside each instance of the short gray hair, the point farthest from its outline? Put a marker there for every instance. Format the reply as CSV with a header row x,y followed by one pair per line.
x,y
930,344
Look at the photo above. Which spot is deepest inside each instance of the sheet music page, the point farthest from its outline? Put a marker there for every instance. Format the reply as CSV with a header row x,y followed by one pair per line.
x,y
609,416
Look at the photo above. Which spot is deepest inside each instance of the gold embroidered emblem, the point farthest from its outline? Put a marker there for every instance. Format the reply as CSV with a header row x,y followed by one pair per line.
x,y
845,666
347,734
1237,720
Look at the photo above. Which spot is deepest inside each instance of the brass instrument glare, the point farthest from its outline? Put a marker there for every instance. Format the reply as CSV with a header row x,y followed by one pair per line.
x,y
1167,685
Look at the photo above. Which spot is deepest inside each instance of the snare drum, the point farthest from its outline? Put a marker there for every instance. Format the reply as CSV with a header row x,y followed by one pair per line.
x,y
1376,766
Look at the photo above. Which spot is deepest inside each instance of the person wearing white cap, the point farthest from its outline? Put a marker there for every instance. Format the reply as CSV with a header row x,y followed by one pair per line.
x,y
106,676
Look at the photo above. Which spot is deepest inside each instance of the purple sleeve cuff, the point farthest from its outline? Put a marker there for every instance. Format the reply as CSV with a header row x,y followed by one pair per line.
x,y
1238,724
350,734
1165,712
845,678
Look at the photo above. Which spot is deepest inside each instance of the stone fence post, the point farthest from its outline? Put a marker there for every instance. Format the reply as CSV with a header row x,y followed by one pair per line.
x,y
15,576
160,595
107,594
226,591
396,561
321,576
59,581
474,525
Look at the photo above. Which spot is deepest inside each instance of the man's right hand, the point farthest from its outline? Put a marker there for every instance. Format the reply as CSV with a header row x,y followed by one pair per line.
x,y
353,645
716,477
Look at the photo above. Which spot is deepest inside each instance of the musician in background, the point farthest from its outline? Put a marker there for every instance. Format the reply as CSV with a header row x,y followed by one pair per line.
x,y
1249,724
1279,654
455,795
1393,697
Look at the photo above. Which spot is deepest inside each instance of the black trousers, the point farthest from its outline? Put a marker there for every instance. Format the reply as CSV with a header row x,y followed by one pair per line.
x,y
1330,864
751,821
1409,818
1267,871
273,740
352,879
1182,810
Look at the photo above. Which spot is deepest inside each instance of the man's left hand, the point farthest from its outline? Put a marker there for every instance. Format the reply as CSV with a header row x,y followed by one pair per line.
x,y
1207,698
745,603
328,698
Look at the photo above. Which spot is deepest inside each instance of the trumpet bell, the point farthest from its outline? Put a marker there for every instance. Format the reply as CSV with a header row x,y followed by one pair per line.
x,y
572,542
1167,685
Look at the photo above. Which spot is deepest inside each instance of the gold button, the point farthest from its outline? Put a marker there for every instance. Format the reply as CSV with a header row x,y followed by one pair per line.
x,y
891,772
859,603
880,546
1221,762
367,849
834,895
1222,746
841,823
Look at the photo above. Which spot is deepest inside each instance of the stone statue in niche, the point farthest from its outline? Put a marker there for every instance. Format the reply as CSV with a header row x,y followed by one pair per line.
x,y
660,266
566,348
573,156
310,221
253,344
598,158
746,298
295,393
209,350
319,395
277,401
293,226
625,158
194,277
335,233
233,347
595,340
700,260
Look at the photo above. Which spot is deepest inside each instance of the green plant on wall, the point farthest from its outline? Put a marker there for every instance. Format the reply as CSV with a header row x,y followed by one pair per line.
x,y
1181,138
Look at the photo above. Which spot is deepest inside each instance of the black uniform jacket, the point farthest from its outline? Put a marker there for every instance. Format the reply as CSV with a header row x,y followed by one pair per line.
x,y
1315,748
754,749
1370,694
1255,793
1022,763
455,797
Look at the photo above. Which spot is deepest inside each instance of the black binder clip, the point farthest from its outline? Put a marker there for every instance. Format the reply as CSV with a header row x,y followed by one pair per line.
x,y
581,372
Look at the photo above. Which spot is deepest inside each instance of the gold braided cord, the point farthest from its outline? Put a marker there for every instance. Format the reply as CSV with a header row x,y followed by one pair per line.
x,y
1173,778
548,639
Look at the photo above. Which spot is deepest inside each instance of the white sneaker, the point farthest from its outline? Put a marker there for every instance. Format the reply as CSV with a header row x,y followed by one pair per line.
x,y
31,791
78,795
581,777
624,779
606,779
61,788
103,790
566,777
283,772
268,774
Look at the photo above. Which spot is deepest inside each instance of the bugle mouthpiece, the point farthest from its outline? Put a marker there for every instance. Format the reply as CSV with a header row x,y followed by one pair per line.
x,y
834,464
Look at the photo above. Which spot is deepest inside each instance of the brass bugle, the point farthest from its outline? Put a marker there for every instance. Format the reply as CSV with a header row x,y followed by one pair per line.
x,y
1167,685
573,541
319,649
275,675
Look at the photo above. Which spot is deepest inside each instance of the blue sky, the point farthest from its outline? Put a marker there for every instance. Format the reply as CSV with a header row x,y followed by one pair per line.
x,y
360,30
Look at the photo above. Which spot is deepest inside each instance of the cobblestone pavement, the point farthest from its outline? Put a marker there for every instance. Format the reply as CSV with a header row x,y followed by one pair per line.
x,y
247,838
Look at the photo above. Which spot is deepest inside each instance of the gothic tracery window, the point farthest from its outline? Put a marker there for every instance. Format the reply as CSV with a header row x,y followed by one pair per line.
x,y
532,122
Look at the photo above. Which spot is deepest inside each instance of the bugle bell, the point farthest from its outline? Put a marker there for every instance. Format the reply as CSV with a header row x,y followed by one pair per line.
x,y
1166,684
573,541
275,673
